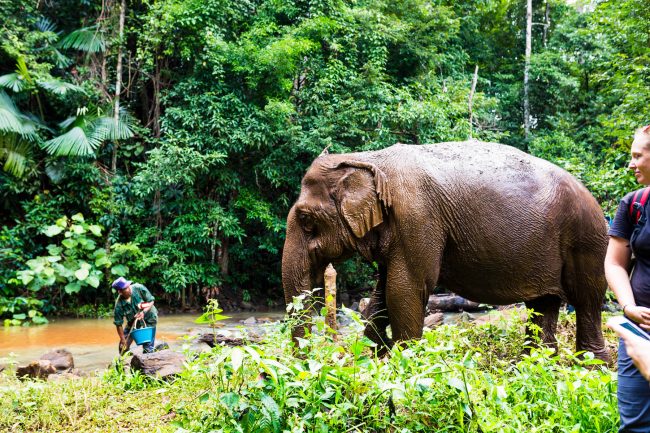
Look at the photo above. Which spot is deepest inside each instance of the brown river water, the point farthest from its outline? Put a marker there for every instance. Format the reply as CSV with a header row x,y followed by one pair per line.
x,y
93,342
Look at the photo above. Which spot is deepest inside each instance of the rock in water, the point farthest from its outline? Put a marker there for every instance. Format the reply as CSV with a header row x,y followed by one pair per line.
x,y
159,364
61,359
40,369
433,320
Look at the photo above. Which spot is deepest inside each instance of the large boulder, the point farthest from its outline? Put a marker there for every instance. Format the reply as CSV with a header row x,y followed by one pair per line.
x,y
158,364
61,359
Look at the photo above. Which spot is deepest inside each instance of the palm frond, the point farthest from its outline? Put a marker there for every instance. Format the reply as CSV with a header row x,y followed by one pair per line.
x,y
12,121
44,24
62,61
59,87
87,39
76,142
16,153
13,82
121,130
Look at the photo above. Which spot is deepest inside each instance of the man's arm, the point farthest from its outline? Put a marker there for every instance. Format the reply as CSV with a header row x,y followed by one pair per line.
x,y
148,301
120,333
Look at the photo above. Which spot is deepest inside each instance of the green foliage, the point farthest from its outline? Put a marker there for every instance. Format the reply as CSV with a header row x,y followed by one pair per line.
x,y
22,311
74,262
225,104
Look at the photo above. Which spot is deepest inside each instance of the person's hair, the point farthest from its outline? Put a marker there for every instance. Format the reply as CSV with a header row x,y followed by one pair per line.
x,y
643,135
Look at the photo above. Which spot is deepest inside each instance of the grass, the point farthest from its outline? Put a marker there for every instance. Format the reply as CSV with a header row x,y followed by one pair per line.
x,y
464,378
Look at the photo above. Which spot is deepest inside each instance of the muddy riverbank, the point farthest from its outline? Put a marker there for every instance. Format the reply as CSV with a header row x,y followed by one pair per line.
x,y
93,342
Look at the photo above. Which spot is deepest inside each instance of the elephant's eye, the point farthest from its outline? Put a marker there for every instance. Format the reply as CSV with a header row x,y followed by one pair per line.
x,y
306,222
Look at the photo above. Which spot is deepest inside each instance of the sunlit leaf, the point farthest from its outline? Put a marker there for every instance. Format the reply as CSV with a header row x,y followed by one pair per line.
x,y
81,274
51,231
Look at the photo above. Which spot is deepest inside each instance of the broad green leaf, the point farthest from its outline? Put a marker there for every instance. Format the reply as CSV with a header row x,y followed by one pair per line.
x,y
102,261
93,281
237,358
25,277
51,231
81,274
71,288
69,243
119,270
95,229
78,217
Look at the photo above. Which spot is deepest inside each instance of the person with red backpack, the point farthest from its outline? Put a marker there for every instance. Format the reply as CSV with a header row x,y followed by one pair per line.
x,y
629,237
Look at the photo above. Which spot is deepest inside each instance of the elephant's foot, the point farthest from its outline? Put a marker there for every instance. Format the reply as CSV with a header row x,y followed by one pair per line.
x,y
379,337
599,353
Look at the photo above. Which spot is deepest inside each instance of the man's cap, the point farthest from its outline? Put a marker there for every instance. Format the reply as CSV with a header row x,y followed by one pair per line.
x,y
121,283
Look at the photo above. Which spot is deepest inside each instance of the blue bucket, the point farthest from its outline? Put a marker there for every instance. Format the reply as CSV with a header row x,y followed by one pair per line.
x,y
142,335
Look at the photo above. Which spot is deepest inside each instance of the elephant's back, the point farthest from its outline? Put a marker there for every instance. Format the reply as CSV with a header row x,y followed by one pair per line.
x,y
498,199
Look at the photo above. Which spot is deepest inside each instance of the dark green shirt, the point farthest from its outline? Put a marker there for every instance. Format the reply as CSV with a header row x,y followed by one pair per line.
x,y
128,309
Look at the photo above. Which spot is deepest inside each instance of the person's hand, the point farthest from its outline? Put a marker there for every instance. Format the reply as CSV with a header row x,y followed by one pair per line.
x,y
140,315
637,348
122,344
640,315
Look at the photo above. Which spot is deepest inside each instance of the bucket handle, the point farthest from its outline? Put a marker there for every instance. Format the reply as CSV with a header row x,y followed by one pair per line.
x,y
136,322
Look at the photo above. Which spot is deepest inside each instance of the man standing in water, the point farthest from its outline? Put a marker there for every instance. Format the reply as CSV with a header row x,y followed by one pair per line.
x,y
134,302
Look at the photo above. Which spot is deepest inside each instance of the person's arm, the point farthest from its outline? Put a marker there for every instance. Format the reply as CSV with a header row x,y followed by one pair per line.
x,y
148,301
120,333
637,348
617,262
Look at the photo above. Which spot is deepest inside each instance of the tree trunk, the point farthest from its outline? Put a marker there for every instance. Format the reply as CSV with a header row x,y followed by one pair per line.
x,y
529,27
547,21
118,82
224,257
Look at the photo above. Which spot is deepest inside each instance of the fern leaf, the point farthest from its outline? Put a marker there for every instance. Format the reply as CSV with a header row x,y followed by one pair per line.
x,y
272,413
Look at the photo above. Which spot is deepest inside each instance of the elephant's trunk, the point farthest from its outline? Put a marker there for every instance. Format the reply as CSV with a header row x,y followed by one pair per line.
x,y
296,272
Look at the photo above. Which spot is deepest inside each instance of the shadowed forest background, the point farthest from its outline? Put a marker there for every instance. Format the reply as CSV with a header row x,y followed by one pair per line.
x,y
165,140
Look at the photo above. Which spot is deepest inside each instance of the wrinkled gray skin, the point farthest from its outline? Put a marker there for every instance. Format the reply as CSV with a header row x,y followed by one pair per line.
x,y
489,222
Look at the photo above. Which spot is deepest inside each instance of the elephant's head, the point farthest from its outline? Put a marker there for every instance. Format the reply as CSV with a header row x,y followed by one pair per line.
x,y
340,201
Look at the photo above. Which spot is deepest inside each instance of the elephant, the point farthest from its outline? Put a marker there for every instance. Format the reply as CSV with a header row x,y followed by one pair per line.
x,y
486,220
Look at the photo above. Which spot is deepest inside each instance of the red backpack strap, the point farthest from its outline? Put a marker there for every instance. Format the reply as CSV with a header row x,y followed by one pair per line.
x,y
634,200
644,197
636,213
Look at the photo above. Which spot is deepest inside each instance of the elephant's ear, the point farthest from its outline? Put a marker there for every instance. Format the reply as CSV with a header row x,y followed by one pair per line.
x,y
360,193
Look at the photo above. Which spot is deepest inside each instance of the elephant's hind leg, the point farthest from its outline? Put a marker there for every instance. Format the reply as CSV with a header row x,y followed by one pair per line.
x,y
546,310
583,280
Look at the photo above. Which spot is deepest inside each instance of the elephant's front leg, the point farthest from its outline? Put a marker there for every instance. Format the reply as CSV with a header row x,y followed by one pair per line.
x,y
406,297
377,314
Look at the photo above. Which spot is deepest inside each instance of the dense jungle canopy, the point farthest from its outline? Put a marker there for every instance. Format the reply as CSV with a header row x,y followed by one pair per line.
x,y
165,140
